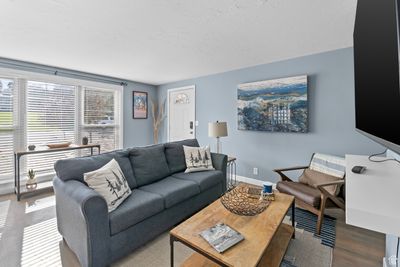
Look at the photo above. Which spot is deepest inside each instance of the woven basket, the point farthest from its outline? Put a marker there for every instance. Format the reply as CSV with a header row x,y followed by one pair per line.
x,y
238,202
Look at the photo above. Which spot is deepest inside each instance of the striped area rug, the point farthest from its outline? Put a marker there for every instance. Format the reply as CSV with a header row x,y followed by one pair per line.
x,y
308,221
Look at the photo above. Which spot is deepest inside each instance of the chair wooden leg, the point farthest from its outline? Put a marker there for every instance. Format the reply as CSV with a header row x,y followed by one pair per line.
x,y
321,215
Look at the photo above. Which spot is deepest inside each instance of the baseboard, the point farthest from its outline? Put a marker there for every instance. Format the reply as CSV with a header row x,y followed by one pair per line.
x,y
250,180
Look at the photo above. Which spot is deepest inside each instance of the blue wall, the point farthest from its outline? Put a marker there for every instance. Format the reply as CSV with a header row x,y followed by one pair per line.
x,y
137,132
331,113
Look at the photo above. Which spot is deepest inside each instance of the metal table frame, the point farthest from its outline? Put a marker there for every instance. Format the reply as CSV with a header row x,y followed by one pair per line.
x,y
17,167
231,173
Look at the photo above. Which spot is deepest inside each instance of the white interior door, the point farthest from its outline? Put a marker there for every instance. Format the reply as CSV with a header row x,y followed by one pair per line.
x,y
181,113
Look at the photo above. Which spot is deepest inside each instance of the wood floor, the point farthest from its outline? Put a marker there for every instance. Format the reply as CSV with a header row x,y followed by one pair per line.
x,y
356,246
20,223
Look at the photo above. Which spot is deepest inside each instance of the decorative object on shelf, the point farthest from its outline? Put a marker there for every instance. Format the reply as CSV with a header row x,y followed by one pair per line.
x,y
254,192
217,129
238,202
267,187
85,140
278,105
258,193
158,113
221,237
31,147
139,102
268,196
31,181
59,145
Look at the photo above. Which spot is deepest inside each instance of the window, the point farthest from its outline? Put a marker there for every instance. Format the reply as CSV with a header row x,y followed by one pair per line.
x,y
99,116
6,126
39,112
50,119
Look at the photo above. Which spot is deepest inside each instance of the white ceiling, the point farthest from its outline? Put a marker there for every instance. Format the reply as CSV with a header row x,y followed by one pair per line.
x,y
159,41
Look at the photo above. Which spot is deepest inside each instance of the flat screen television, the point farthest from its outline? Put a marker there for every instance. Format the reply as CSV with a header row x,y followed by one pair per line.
x,y
376,70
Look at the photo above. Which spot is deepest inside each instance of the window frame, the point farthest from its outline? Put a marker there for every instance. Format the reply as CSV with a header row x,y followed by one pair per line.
x,y
19,128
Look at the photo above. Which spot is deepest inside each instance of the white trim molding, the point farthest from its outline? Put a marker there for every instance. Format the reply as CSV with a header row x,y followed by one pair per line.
x,y
253,181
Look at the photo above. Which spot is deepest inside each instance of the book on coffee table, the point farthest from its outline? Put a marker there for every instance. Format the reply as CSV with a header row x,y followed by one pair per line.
x,y
221,237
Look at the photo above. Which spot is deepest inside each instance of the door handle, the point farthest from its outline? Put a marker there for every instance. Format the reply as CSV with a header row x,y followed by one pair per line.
x,y
191,125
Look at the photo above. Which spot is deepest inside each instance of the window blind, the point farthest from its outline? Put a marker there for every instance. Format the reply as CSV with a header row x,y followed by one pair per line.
x,y
99,118
38,112
50,119
6,126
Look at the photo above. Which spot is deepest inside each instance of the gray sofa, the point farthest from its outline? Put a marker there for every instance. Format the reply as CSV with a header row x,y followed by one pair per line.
x,y
162,196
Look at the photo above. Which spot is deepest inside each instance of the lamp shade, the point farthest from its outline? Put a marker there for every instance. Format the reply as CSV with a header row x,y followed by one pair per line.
x,y
217,129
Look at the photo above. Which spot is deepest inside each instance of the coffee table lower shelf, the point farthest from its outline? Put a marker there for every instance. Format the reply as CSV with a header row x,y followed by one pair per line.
x,y
272,257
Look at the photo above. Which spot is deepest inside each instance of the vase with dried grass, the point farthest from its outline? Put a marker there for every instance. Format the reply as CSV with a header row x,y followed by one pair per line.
x,y
158,114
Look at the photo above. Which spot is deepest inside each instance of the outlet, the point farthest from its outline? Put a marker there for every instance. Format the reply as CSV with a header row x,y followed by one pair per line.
x,y
255,171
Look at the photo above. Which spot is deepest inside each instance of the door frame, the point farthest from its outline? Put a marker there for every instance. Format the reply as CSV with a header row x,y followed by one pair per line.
x,y
168,117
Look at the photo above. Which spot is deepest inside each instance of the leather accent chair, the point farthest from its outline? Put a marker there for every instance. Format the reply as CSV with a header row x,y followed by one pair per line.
x,y
315,199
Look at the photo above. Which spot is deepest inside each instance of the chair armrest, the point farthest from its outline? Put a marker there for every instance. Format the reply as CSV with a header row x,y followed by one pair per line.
x,y
326,194
339,182
220,162
291,169
284,177
82,220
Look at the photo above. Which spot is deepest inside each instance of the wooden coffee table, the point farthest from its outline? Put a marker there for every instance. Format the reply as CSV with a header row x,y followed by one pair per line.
x,y
266,237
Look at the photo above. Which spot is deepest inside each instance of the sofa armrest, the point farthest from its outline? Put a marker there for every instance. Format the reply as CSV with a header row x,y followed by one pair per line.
x,y
82,220
220,162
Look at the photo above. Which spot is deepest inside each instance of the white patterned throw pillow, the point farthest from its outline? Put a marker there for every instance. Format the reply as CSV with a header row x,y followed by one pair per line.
x,y
198,159
110,182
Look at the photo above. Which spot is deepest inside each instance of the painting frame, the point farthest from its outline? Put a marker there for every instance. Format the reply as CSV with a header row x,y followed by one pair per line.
x,y
139,105
274,105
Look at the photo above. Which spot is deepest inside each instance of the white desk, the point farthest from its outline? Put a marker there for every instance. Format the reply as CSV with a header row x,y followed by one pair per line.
x,y
373,197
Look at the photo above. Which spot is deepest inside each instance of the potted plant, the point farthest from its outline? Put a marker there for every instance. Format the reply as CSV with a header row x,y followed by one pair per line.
x,y
31,182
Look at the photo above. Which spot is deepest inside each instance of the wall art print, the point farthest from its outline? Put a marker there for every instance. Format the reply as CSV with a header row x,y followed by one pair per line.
x,y
278,105
140,105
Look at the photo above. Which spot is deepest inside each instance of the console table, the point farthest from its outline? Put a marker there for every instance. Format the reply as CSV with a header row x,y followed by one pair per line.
x,y
43,186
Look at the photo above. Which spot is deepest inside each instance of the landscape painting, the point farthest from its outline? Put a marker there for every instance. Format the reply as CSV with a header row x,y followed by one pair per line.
x,y
278,105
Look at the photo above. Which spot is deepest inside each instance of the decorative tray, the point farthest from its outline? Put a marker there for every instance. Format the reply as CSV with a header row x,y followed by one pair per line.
x,y
238,202
59,145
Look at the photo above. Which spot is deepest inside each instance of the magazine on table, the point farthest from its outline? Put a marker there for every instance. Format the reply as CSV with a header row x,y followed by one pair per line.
x,y
221,237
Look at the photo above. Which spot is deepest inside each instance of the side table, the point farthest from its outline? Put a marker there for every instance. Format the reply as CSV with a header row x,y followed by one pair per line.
x,y
231,173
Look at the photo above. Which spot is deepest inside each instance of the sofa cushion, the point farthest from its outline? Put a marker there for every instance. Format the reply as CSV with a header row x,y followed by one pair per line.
x,y
204,179
74,168
175,155
173,190
139,206
314,178
300,191
149,164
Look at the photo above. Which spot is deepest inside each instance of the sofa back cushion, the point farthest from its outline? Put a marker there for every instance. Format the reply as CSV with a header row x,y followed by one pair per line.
x,y
74,168
149,164
176,156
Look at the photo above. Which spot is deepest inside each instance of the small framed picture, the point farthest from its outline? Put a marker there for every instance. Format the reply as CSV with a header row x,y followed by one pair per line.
x,y
140,105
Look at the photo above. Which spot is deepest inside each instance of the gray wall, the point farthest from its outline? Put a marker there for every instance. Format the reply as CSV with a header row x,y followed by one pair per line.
x,y
137,132
331,113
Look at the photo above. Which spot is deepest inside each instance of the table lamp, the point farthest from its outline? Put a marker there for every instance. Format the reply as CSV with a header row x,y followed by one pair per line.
x,y
217,129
